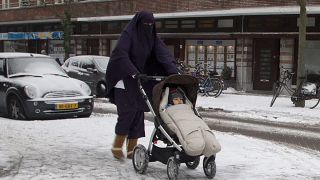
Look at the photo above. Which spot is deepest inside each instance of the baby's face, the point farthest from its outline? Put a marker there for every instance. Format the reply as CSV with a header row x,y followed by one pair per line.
x,y
177,100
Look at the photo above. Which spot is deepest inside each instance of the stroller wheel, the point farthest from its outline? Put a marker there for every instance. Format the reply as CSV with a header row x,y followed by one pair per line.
x,y
209,166
172,168
140,159
193,164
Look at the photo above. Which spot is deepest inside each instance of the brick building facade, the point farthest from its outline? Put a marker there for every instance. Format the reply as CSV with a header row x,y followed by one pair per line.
x,y
253,37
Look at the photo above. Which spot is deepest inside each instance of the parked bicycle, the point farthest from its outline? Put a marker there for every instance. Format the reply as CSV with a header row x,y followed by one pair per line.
x,y
308,90
210,83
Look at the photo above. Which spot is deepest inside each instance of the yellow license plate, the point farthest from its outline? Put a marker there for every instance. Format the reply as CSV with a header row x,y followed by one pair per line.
x,y
67,106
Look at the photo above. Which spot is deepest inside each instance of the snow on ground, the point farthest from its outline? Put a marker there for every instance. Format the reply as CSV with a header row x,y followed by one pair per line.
x,y
80,149
257,106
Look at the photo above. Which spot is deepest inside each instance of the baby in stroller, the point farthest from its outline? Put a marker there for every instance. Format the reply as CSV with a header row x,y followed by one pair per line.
x,y
184,135
193,133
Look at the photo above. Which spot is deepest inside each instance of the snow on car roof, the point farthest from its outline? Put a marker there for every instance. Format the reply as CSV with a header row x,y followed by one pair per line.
x,y
19,54
89,56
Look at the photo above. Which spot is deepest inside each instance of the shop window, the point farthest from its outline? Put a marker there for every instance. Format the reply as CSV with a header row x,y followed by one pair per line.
x,y
15,46
311,22
214,55
158,24
225,23
188,23
171,24
47,28
207,23
84,27
113,26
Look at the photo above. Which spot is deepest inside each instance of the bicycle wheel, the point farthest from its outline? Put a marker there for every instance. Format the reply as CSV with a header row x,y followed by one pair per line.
x,y
213,87
276,92
315,104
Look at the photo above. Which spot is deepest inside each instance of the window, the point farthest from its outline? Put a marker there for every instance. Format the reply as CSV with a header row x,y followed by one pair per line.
x,y
74,64
1,67
158,24
87,63
84,27
188,23
171,24
206,23
225,23
311,22
113,26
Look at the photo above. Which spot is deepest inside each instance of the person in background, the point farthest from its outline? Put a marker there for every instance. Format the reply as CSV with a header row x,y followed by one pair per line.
x,y
138,51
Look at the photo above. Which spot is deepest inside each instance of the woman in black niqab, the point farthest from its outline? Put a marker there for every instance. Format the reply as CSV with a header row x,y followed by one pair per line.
x,y
138,51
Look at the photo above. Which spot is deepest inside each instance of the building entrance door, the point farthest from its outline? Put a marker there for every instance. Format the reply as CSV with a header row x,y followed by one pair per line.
x,y
93,46
266,63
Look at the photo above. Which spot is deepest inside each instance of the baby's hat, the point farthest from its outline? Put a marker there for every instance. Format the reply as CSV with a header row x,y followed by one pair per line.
x,y
174,93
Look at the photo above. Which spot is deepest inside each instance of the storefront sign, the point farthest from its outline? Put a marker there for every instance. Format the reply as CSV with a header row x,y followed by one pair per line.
x,y
16,36
45,35
31,35
3,36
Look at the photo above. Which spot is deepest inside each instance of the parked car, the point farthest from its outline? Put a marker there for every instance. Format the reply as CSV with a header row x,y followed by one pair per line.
x,y
34,86
90,69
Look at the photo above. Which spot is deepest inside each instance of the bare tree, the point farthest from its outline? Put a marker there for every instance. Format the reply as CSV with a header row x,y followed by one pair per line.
x,y
301,75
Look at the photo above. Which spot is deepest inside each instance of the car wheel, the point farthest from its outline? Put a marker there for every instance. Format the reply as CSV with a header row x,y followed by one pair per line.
x,y
101,89
15,109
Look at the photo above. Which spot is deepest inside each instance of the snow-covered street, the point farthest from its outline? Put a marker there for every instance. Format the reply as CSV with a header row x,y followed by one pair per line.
x,y
80,149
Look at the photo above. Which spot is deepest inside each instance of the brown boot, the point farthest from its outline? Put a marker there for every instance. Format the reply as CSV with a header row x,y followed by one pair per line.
x,y
117,146
131,143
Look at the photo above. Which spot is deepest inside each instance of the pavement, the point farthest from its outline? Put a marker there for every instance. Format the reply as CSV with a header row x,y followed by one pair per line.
x,y
291,133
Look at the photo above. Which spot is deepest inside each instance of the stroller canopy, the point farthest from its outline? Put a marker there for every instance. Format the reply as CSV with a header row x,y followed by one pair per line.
x,y
187,83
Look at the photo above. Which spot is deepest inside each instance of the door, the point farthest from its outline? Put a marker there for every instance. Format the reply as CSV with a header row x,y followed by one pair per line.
x,y
93,46
266,63
73,69
88,75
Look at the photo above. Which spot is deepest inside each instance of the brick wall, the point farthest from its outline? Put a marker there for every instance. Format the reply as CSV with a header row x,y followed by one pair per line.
x,y
125,7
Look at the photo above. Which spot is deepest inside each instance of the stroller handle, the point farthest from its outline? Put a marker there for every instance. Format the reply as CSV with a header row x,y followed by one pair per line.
x,y
144,77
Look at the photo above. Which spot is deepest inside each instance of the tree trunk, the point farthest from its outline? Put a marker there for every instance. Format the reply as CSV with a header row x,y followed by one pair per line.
x,y
301,55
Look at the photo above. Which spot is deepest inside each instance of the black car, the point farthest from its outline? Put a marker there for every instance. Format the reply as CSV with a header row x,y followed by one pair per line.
x,y
34,86
90,69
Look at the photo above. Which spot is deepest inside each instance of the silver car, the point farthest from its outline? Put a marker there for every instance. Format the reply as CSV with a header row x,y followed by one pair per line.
x,y
90,69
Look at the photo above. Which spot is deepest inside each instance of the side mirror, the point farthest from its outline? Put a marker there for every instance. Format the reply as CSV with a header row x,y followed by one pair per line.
x,y
92,70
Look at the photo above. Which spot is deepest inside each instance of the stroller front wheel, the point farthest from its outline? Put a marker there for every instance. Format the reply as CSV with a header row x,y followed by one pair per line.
x,y
193,164
209,167
140,159
172,168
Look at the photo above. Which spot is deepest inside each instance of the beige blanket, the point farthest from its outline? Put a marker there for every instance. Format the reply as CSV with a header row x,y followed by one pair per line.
x,y
194,134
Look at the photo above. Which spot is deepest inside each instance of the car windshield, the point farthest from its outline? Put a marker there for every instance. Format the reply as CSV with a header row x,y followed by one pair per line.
x,y
34,66
102,62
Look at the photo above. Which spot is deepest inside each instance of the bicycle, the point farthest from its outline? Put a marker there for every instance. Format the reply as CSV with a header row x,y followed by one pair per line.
x,y
210,84
308,90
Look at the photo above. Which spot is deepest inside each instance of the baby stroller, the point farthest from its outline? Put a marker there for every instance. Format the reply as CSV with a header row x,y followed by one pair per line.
x,y
173,154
